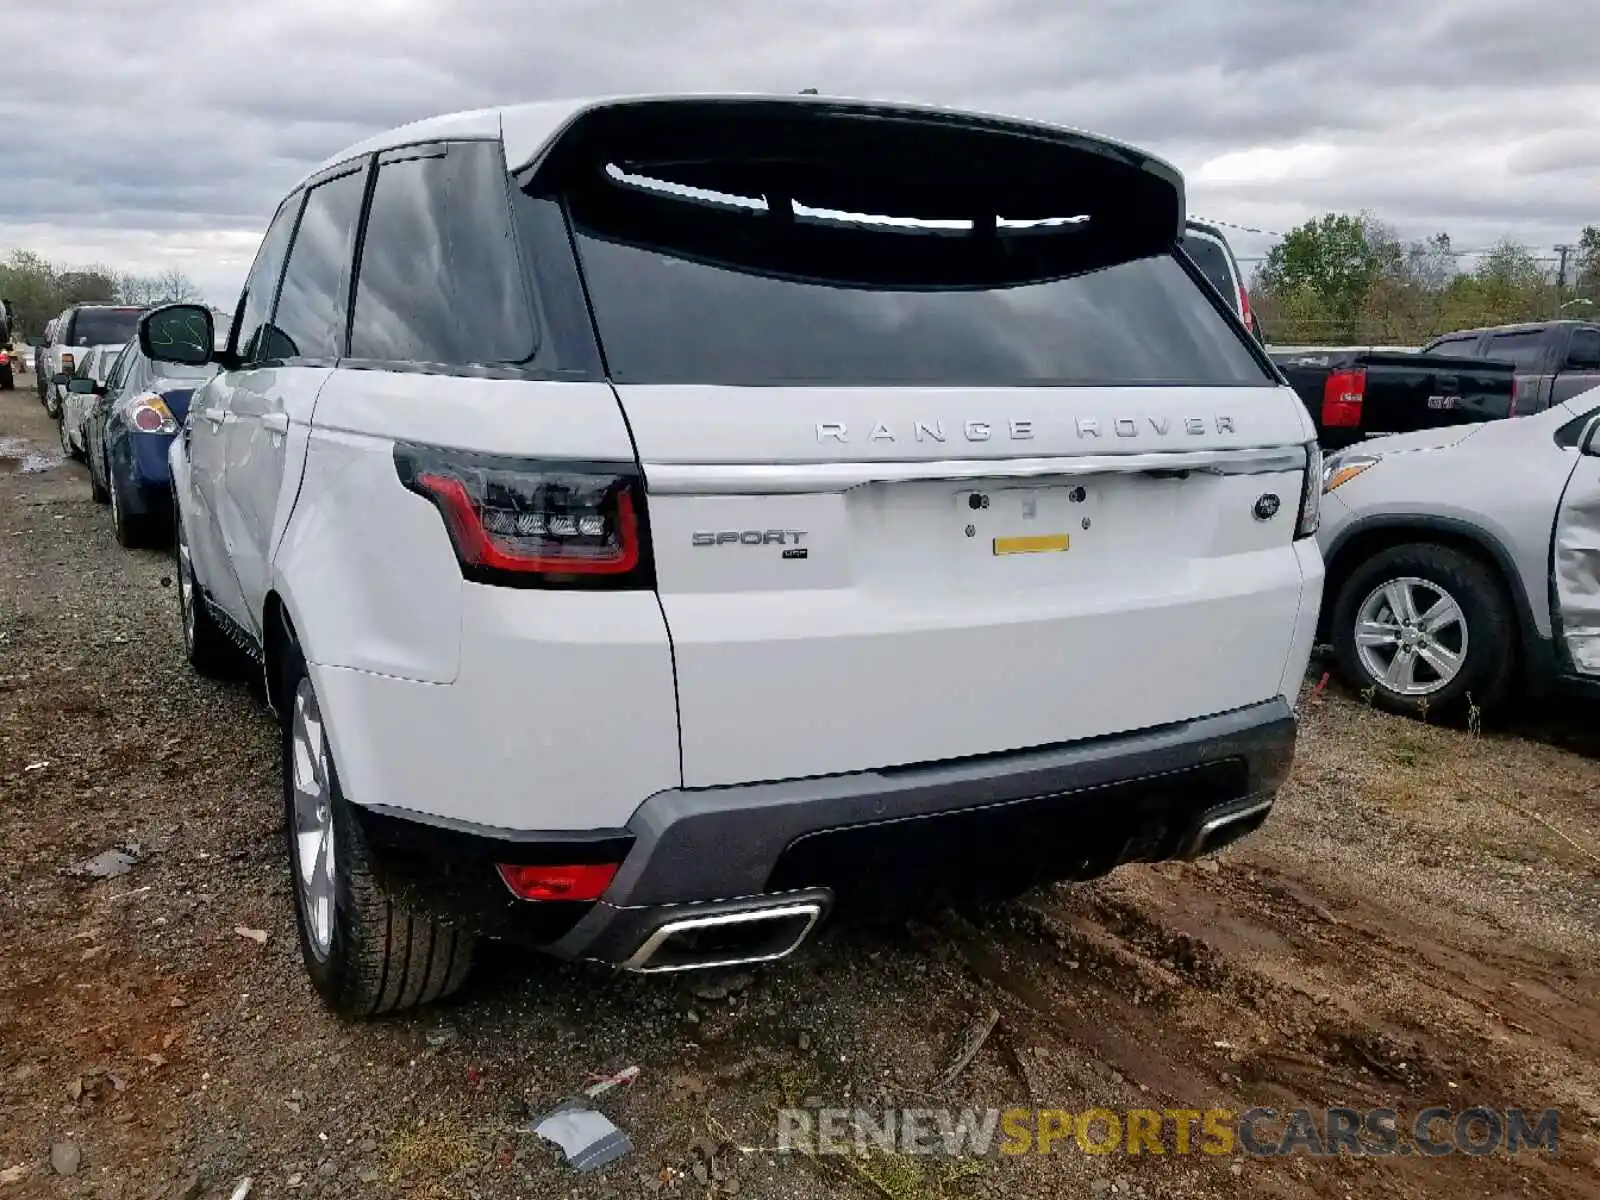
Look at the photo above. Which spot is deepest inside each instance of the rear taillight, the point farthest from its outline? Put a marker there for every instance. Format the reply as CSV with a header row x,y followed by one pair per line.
x,y
1512,411
149,413
1341,399
68,363
4,358
536,523
1244,308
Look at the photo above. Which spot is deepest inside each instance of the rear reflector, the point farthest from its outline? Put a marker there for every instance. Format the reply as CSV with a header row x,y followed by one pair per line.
x,y
1341,399
584,881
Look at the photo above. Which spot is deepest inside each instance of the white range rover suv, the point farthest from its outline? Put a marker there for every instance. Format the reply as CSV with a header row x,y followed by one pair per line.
x,y
662,521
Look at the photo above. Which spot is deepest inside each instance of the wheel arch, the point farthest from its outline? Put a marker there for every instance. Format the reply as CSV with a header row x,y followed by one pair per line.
x,y
280,644
1364,538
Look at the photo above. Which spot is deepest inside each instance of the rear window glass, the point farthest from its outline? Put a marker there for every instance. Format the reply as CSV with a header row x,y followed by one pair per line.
x,y
710,288
1462,347
97,326
1212,260
1525,350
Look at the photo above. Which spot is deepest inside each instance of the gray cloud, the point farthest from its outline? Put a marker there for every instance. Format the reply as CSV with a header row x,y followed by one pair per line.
x,y
168,136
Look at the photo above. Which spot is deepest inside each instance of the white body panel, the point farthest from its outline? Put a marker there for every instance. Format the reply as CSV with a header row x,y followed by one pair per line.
x,y
513,708
900,638
268,417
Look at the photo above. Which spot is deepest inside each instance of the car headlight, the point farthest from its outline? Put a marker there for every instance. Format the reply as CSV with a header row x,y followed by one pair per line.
x,y
1310,516
1342,468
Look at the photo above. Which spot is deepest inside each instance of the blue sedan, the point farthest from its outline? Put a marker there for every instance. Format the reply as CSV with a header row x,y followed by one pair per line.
x,y
126,436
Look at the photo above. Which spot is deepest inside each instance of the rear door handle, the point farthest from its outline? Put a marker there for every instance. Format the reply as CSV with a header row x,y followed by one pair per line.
x,y
277,422
214,415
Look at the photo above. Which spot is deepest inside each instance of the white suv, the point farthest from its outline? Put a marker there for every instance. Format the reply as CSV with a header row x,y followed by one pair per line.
x,y
663,520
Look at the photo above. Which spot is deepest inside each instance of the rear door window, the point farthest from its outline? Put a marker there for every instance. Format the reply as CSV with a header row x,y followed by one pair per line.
x,y
1583,353
1212,260
694,287
309,322
1525,351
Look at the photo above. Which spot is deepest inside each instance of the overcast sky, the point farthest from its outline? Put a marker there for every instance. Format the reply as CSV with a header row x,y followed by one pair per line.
x,y
145,134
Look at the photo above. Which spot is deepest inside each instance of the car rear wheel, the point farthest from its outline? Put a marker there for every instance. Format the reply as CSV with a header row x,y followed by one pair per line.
x,y
131,528
1425,630
207,648
67,447
97,489
366,951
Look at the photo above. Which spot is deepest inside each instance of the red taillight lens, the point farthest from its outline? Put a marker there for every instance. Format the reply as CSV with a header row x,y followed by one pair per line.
x,y
68,363
1244,307
536,523
1341,399
4,358
584,881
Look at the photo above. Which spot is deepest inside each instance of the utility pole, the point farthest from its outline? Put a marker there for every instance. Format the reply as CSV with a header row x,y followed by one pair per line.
x,y
1561,274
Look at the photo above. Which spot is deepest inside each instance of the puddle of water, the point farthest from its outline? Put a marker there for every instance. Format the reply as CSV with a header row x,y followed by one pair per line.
x,y
15,456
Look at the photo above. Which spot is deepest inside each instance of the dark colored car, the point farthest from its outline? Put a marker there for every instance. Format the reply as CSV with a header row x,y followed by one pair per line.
x,y
1210,251
126,436
1554,360
1355,393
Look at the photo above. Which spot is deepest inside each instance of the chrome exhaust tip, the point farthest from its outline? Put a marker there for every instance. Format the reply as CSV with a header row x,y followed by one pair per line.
x,y
1224,828
760,933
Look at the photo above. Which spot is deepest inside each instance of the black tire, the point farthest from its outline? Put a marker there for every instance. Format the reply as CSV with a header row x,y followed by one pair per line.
x,y
132,529
1488,666
97,490
381,955
67,447
52,406
206,647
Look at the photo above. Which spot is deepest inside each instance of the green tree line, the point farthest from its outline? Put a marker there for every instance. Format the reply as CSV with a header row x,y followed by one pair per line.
x,y
39,289
1349,279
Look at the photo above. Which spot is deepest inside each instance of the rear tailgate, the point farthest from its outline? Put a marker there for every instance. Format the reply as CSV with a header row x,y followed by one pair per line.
x,y
978,473
1423,391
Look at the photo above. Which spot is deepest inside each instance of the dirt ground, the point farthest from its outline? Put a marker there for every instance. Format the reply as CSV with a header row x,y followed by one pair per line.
x,y
1416,925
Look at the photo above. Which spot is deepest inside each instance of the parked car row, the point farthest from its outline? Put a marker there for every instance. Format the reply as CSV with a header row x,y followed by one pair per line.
x,y
119,412
648,551
69,337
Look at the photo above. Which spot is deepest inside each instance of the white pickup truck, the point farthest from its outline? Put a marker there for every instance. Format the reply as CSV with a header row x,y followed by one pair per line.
x,y
77,330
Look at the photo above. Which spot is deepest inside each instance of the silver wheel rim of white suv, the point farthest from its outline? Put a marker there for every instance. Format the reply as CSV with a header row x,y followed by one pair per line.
x,y
1411,636
314,847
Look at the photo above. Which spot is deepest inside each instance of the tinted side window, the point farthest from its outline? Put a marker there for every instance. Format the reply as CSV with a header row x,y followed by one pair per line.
x,y
262,284
439,278
119,369
1584,351
1212,260
310,318
1526,351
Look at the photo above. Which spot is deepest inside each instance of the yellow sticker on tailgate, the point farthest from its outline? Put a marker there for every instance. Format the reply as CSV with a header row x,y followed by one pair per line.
x,y
1042,543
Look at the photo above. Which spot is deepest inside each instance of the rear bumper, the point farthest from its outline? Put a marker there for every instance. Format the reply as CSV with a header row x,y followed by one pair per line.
x,y
869,840
139,461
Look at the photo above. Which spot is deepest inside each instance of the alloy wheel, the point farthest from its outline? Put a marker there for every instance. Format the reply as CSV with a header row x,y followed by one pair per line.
x,y
315,852
1411,636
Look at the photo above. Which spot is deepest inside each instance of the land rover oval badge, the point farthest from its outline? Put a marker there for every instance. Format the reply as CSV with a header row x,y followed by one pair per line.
x,y
1267,507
